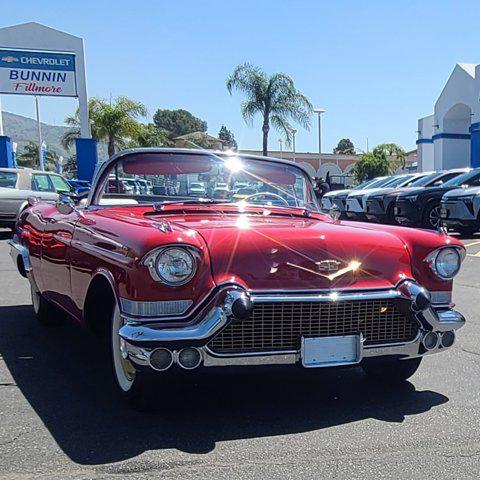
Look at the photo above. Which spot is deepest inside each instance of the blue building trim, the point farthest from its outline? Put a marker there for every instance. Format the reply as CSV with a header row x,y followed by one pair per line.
x,y
424,140
6,152
452,136
475,145
86,158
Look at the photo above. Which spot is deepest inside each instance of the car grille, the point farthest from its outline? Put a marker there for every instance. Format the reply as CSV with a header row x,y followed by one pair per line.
x,y
277,326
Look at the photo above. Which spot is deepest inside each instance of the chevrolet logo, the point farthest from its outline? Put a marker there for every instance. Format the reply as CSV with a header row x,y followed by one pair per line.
x,y
328,265
10,59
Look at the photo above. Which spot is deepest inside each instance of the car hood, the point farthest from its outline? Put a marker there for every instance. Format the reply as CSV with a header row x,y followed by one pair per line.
x,y
425,191
274,253
461,192
334,193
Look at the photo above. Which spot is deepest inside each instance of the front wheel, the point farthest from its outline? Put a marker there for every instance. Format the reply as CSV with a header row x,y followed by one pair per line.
x,y
134,385
431,217
391,371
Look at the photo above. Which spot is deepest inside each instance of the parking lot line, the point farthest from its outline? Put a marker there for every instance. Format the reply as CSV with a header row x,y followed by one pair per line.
x,y
472,244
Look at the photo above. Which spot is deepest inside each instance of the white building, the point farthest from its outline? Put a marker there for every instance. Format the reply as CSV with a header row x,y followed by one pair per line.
x,y
451,136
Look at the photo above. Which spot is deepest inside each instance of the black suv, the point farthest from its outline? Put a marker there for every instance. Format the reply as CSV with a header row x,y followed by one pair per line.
x,y
420,207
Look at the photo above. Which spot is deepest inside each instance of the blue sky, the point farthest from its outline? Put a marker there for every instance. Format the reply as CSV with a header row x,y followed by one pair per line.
x,y
375,66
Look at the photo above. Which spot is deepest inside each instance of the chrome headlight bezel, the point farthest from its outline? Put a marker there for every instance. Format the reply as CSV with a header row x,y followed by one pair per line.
x,y
434,260
153,259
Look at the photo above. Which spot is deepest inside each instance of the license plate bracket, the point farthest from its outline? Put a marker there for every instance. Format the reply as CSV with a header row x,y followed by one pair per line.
x,y
320,352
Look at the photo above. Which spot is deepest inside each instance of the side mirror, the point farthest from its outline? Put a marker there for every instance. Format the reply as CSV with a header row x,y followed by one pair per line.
x,y
65,204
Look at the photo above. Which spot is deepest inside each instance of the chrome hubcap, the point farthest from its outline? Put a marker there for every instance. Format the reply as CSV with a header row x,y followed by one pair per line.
x,y
434,217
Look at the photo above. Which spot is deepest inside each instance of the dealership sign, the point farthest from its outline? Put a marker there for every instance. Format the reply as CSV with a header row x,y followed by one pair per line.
x,y
37,73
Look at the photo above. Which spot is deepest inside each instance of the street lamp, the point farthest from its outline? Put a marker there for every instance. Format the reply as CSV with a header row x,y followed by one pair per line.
x,y
294,132
319,112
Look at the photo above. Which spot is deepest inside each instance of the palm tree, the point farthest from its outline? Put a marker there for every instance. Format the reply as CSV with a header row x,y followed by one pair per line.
x,y
113,123
274,97
29,157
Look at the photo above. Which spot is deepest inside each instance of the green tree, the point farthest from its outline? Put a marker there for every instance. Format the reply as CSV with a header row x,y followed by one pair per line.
x,y
371,165
344,147
29,157
396,153
149,136
113,123
227,137
178,122
274,97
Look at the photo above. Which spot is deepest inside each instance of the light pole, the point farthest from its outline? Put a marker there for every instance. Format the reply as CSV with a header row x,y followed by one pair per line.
x,y
294,132
280,142
319,112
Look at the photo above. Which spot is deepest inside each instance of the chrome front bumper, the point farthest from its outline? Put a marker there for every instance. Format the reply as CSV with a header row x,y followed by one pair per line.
x,y
140,339
18,250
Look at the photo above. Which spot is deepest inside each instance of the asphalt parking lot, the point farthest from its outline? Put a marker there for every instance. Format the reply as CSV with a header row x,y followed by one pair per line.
x,y
60,417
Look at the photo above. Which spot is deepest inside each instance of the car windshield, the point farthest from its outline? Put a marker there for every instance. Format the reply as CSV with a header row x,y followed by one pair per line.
x,y
192,178
363,185
8,179
425,180
380,182
60,184
467,178
396,182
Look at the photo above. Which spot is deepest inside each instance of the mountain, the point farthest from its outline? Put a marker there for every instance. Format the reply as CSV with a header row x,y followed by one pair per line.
x,y
23,129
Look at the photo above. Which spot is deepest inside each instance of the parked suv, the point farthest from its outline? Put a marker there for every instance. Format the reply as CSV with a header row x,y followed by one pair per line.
x,y
355,207
379,205
338,197
420,207
460,208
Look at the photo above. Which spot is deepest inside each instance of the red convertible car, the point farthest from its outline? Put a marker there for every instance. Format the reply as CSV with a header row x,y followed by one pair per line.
x,y
177,281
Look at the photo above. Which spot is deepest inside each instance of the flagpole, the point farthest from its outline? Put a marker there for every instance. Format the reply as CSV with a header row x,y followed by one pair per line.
x,y
39,132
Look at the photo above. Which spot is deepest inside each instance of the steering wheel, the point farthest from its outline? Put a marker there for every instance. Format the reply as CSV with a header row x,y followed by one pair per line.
x,y
269,194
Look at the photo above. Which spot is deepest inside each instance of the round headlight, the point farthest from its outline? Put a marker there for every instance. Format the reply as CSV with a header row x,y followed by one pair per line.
x,y
447,263
175,265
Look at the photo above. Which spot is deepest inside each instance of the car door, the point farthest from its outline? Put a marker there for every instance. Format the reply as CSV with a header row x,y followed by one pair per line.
x,y
56,245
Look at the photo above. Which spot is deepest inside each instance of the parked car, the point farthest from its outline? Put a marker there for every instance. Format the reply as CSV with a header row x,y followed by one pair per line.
x,y
460,207
80,186
197,190
18,184
338,197
379,205
184,284
355,202
420,206
119,185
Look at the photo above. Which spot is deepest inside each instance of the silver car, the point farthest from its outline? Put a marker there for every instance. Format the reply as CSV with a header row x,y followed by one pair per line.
x,y
18,184
460,210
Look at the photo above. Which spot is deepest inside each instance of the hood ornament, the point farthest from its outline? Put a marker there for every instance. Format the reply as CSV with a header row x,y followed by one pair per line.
x,y
328,265
334,213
